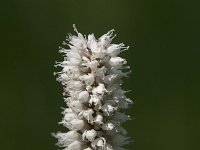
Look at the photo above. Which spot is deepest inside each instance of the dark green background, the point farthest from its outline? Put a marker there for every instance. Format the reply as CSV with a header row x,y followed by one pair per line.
x,y
164,36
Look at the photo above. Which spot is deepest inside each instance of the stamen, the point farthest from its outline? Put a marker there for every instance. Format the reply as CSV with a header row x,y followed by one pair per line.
x,y
75,29
110,32
114,36
126,48
64,43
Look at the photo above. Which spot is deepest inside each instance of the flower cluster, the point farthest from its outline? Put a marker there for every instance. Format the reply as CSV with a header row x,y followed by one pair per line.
x,y
91,77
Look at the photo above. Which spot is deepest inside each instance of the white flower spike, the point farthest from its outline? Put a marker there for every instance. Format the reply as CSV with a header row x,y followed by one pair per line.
x,y
92,76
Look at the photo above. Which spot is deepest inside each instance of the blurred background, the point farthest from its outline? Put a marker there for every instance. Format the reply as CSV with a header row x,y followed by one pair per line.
x,y
164,37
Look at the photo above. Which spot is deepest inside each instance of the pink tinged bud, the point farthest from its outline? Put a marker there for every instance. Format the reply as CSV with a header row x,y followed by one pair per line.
x,y
83,96
77,124
116,62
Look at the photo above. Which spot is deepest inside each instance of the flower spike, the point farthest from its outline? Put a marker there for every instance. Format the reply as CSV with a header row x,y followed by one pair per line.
x,y
91,76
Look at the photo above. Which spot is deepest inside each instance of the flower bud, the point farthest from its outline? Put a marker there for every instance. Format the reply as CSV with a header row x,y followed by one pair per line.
x,y
116,62
89,135
83,96
77,124
113,50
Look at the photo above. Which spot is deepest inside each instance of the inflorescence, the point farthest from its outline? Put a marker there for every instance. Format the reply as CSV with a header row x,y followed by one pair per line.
x,y
91,76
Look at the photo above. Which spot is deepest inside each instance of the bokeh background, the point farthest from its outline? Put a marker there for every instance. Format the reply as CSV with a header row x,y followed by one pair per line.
x,y
164,36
